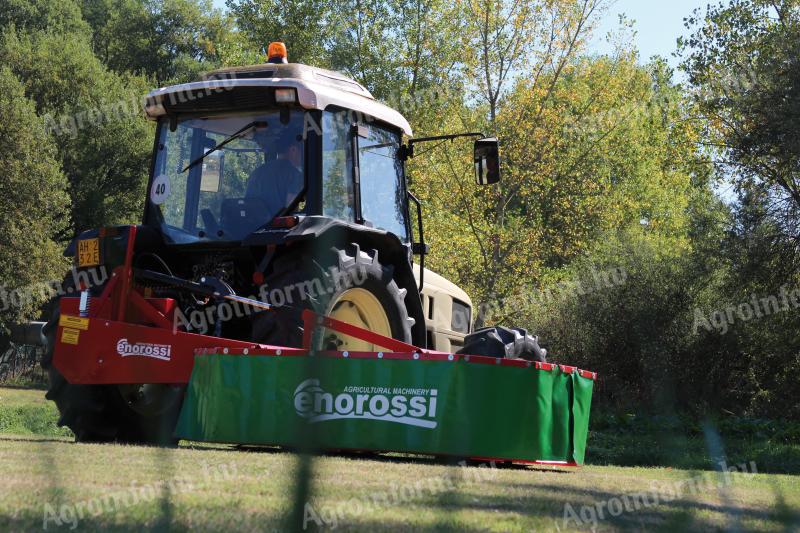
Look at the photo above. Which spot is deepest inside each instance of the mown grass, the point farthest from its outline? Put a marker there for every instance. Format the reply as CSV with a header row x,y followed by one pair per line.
x,y
46,480
217,488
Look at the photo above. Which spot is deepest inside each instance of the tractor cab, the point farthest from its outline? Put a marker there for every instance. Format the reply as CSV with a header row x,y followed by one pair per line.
x,y
245,146
271,153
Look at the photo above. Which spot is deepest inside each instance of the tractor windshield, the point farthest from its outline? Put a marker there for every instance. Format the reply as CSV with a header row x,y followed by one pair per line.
x,y
223,177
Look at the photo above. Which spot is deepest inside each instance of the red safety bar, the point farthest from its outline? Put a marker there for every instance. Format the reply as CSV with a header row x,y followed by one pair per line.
x,y
312,321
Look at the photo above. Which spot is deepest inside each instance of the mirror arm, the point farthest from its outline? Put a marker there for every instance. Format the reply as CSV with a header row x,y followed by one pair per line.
x,y
407,150
419,248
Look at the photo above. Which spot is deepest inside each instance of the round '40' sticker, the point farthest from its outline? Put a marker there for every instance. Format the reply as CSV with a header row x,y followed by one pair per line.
x,y
159,192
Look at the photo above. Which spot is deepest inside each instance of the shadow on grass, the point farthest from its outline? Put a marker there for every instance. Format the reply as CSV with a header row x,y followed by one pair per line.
x,y
589,508
388,457
526,505
228,517
786,514
454,511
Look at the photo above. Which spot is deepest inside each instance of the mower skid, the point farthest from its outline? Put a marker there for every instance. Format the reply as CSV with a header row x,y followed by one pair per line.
x,y
406,399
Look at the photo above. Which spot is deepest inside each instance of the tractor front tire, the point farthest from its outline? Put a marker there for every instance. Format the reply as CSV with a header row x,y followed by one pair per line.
x,y
510,343
349,284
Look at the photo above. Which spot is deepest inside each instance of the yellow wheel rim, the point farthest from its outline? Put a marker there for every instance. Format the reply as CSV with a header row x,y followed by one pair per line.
x,y
360,308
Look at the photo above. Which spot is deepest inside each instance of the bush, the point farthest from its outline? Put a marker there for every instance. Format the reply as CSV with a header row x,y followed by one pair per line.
x,y
658,340
631,333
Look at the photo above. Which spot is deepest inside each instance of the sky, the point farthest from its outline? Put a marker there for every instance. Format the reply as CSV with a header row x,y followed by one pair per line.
x,y
658,24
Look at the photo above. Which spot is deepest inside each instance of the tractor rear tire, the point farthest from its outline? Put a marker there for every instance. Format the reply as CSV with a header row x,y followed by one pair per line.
x,y
348,283
510,343
98,413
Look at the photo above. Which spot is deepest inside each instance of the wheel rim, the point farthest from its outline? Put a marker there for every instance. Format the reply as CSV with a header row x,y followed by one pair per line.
x,y
150,399
360,308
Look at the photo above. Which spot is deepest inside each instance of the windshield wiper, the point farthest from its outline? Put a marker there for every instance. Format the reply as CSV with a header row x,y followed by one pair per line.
x,y
254,124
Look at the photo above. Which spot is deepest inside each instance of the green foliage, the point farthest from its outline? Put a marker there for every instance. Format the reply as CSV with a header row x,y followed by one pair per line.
x,y
671,337
29,176
679,441
742,59
605,147
301,24
36,15
168,41
94,115
632,333
768,346
401,50
398,47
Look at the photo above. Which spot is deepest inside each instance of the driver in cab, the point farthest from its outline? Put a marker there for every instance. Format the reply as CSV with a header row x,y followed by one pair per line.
x,y
278,181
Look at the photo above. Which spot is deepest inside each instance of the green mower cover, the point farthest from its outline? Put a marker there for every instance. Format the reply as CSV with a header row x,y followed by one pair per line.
x,y
444,407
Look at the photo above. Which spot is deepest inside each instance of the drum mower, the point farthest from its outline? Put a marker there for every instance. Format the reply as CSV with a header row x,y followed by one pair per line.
x,y
271,292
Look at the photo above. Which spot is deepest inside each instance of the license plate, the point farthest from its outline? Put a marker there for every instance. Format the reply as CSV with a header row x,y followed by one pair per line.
x,y
89,252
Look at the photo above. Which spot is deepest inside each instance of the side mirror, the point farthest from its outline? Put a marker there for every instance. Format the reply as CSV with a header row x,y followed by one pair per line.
x,y
487,161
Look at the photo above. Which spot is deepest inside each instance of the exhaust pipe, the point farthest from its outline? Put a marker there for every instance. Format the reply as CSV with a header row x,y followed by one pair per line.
x,y
29,334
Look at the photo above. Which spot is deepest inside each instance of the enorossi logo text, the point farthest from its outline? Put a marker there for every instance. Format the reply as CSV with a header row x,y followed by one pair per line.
x,y
408,406
144,349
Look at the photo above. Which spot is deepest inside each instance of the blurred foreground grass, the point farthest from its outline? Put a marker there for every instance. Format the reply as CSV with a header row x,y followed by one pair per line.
x,y
48,482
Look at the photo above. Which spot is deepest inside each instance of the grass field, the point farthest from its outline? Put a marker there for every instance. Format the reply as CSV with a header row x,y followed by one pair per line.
x,y
27,412
48,481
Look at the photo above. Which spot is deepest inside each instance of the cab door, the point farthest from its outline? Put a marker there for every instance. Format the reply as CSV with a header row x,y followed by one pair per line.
x,y
383,198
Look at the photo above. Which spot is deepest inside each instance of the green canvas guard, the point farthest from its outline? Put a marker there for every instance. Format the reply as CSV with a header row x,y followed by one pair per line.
x,y
454,407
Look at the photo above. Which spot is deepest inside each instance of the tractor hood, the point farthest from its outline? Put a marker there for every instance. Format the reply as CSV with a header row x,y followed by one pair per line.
x,y
436,284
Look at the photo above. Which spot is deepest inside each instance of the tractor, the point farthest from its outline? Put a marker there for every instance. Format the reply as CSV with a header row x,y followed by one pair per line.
x,y
277,195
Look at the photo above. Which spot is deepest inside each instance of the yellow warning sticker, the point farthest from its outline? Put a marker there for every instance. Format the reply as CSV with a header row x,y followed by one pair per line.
x,y
70,336
76,322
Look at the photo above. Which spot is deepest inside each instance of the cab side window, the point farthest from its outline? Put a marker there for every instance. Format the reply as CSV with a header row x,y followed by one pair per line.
x,y
383,199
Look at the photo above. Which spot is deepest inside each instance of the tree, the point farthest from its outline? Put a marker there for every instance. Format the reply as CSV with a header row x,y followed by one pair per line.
x,y
513,39
29,176
406,52
743,63
302,24
398,48
95,118
168,41
605,153
36,15
365,44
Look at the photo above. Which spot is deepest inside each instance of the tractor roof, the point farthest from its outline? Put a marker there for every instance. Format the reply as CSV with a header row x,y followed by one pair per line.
x,y
316,89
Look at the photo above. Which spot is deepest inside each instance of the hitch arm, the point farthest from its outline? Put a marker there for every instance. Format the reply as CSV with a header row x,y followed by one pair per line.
x,y
198,288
